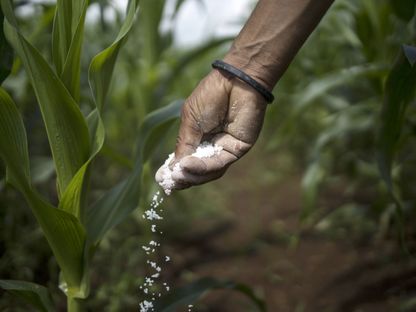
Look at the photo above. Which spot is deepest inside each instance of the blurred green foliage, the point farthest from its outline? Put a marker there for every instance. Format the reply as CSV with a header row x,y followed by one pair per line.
x,y
333,121
333,94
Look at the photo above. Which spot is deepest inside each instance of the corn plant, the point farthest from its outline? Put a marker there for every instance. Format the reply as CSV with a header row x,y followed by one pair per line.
x,y
338,101
73,228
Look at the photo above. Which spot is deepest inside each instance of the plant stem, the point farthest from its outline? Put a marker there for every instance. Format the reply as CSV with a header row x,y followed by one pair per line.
x,y
76,305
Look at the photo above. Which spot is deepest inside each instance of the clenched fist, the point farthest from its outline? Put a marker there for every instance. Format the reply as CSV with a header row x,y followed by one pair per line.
x,y
221,110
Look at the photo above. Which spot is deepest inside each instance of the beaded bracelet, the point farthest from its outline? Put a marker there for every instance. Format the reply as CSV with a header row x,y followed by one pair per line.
x,y
244,77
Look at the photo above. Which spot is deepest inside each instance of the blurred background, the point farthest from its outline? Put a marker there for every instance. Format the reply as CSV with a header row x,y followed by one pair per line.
x,y
304,219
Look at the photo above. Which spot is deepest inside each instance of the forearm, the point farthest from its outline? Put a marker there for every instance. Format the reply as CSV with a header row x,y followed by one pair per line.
x,y
273,35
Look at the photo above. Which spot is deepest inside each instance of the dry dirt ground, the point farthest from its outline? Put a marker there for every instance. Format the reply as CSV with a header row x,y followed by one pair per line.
x,y
261,245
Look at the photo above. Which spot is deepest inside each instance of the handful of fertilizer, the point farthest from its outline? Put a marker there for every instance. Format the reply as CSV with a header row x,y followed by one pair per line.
x,y
204,150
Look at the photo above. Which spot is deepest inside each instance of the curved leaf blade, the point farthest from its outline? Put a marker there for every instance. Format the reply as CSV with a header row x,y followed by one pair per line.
x,y
6,53
189,294
320,87
65,125
73,199
67,42
102,65
150,17
13,142
36,295
399,91
64,232
69,16
67,239
122,199
155,126
188,58
61,33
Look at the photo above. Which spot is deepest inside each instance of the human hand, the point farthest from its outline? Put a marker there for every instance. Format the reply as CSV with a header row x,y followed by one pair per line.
x,y
221,110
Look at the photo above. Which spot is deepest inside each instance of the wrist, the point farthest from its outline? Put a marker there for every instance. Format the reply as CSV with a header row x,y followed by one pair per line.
x,y
252,66
235,72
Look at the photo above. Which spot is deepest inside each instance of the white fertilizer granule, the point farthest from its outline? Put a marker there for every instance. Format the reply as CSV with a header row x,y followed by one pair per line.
x,y
146,306
204,150
153,215
149,285
167,183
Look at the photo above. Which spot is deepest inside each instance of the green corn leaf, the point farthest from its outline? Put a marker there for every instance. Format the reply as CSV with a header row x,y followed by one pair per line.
x,y
36,295
405,9
311,183
102,66
189,294
61,33
185,60
150,16
155,126
64,233
13,143
66,237
68,17
67,40
399,91
101,69
65,125
321,86
117,157
352,119
100,73
6,53
73,199
122,199
42,169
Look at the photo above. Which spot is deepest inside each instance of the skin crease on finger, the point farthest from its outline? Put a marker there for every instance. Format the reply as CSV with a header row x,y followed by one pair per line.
x,y
202,166
242,112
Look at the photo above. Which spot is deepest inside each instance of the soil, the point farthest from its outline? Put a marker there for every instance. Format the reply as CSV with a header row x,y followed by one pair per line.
x,y
263,244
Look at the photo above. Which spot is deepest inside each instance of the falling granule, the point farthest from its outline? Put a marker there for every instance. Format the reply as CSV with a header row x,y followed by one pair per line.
x,y
151,214
152,264
146,306
150,282
204,150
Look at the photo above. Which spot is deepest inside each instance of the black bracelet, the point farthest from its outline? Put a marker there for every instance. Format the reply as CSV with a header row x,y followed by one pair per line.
x,y
244,77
